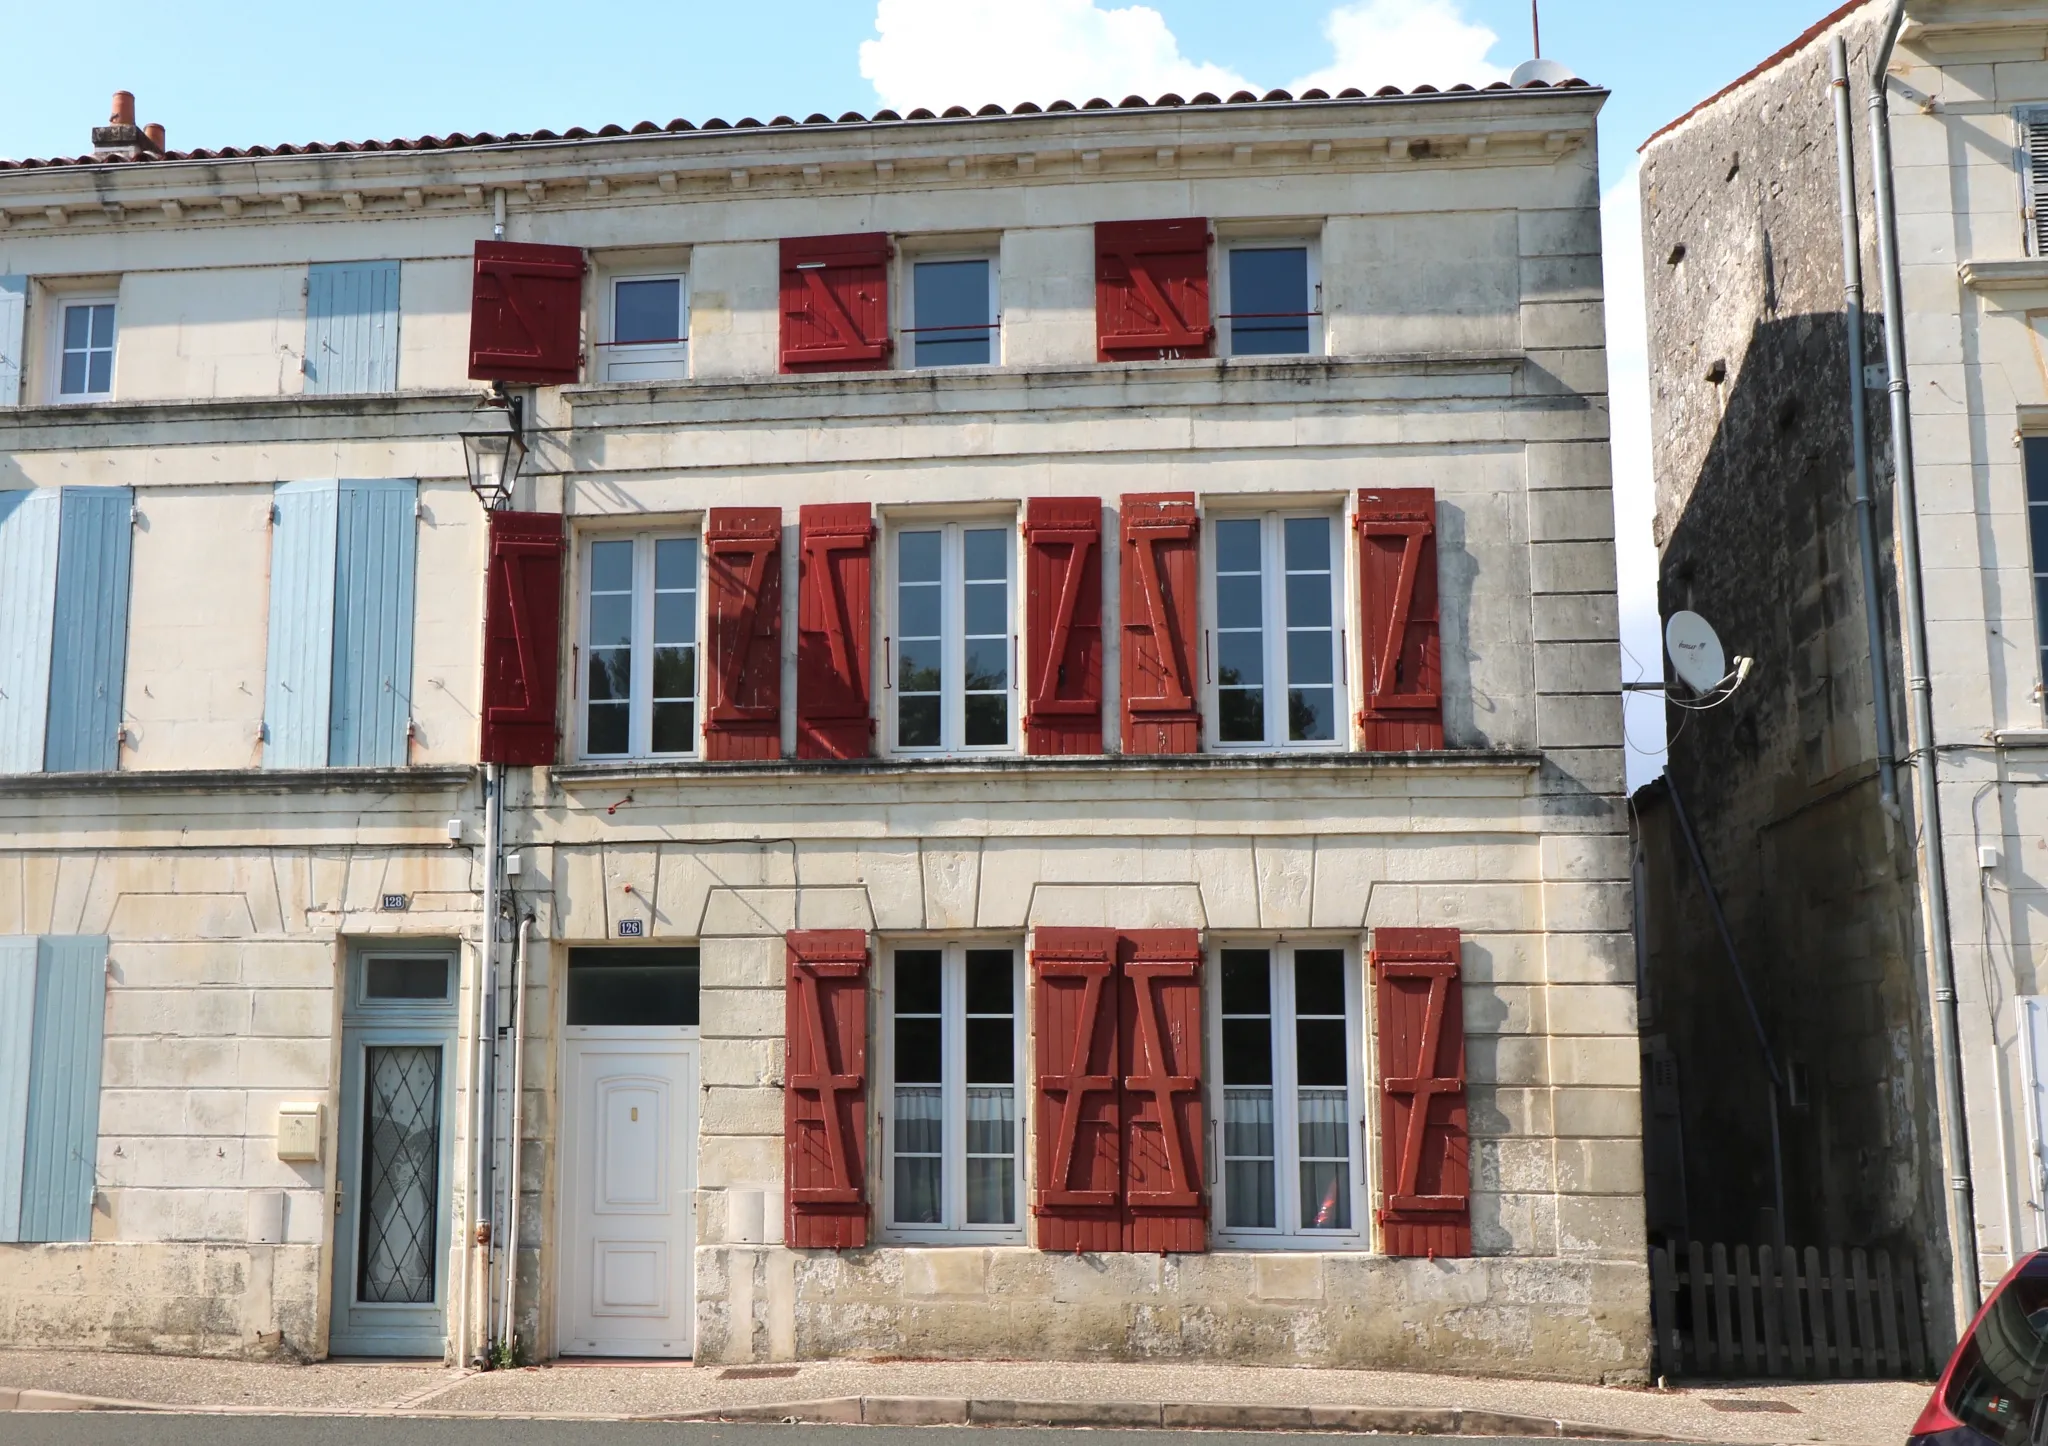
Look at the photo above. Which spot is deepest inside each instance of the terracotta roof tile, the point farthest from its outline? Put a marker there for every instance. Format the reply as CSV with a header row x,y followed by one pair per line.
x,y
459,140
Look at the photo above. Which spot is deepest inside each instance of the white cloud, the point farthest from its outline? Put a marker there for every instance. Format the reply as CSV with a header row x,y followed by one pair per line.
x,y
1635,503
969,52
1404,43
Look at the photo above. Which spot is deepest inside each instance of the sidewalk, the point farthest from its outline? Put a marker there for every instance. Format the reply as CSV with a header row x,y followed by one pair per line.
x,y
1875,1413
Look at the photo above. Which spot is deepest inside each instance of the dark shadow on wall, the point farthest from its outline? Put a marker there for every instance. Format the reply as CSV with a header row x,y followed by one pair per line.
x,y
1816,881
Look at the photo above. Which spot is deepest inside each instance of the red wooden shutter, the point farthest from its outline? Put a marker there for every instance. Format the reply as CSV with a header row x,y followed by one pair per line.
x,y
1425,1149
1079,1132
743,610
1159,562
835,303
1403,660
1161,1027
824,1101
1152,290
1063,625
526,313
522,637
834,718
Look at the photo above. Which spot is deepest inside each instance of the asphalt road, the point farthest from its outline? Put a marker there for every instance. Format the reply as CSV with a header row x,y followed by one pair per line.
x,y
100,1428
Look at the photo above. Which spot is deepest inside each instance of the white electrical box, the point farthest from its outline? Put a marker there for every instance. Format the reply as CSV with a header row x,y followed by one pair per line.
x,y
512,865
299,1130
266,1217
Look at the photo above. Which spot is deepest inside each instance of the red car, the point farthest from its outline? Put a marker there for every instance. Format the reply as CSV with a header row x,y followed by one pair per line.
x,y
1995,1390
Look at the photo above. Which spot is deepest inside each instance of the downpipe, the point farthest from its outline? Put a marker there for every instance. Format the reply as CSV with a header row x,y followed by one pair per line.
x,y
479,1243
1859,435
1948,1073
507,1328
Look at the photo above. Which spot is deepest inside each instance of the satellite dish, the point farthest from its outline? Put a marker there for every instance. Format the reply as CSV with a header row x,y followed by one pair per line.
x,y
1696,652
1547,71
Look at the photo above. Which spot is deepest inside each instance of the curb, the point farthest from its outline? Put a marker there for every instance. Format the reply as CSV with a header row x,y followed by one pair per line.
x,y
1196,1415
24,1399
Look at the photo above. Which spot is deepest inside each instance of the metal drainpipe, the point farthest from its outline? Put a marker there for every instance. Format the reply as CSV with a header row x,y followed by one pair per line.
x,y
480,1112
1859,434
511,1253
1948,1070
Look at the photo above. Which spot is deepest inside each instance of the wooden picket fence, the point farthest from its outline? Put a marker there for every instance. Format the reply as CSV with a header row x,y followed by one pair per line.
x,y
1777,1312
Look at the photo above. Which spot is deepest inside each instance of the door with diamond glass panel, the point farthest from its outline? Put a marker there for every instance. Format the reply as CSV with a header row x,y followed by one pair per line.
x,y
391,1215
629,1153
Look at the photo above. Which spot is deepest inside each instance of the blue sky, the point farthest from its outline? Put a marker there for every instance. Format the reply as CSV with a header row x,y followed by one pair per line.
x,y
217,74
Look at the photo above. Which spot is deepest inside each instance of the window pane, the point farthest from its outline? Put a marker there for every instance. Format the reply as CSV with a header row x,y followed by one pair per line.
x,y
991,981
675,563
988,720
1237,545
917,666
1248,1183
73,383
917,1050
991,1157
917,556
988,664
675,617
953,316
103,326
1309,659
1239,601
611,567
917,611
99,372
675,728
991,1122
988,609
1308,600
1319,1047
917,722
611,674
77,327
1325,1160
675,672
405,978
647,311
635,987
1268,294
1241,715
1319,982
917,981
1312,715
991,1051
1325,1195
608,728
1247,981
1307,544
992,1191
987,551
611,620
919,1171
1240,659
1248,1051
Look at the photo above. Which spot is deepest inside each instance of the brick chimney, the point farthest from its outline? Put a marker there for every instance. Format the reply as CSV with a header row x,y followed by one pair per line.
x,y
120,139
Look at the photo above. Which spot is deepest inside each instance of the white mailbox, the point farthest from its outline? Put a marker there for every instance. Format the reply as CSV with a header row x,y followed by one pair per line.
x,y
299,1132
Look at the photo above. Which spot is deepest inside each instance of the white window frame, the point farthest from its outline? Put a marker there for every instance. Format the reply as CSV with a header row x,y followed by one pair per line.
x,y
640,711
1225,306
658,361
953,1072
1286,1234
953,634
906,328
1273,615
59,303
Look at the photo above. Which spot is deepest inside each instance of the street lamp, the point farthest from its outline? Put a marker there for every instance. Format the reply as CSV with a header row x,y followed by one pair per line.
x,y
494,458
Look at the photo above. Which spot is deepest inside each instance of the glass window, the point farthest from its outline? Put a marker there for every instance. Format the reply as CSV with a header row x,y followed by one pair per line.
x,y
952,639
650,329
955,1121
1279,650
1289,1044
647,988
953,313
386,977
1272,301
641,636
86,352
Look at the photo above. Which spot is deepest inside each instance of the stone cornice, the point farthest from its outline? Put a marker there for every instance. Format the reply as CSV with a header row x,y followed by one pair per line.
x,y
276,781
2028,273
1451,129
1481,761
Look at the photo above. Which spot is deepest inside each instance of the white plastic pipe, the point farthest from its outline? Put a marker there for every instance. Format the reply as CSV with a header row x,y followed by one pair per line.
x,y
511,1252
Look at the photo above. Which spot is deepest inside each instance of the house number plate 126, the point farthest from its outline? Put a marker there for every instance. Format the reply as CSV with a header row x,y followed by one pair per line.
x,y
632,928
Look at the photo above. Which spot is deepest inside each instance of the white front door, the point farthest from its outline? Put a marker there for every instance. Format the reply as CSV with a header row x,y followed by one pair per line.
x,y
2032,1184
630,1193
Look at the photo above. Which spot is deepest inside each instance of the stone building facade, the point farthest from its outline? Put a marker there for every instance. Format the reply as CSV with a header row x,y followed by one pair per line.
x,y
1756,526
868,999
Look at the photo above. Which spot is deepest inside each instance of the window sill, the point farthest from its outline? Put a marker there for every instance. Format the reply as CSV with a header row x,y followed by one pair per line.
x,y
1475,760
2011,738
438,778
2025,274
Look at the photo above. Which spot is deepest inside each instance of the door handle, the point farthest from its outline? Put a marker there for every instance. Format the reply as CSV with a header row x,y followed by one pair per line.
x,y
339,1190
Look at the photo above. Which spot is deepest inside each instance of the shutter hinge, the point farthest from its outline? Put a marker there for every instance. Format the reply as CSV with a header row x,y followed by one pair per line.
x,y
276,514
263,731
419,507
134,515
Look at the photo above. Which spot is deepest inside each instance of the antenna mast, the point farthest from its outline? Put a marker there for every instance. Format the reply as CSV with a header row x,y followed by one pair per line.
x,y
1536,25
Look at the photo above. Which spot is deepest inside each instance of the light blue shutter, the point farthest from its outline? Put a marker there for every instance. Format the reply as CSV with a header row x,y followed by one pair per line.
x,y
300,667
28,607
64,1089
13,313
352,328
17,1035
375,537
89,645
